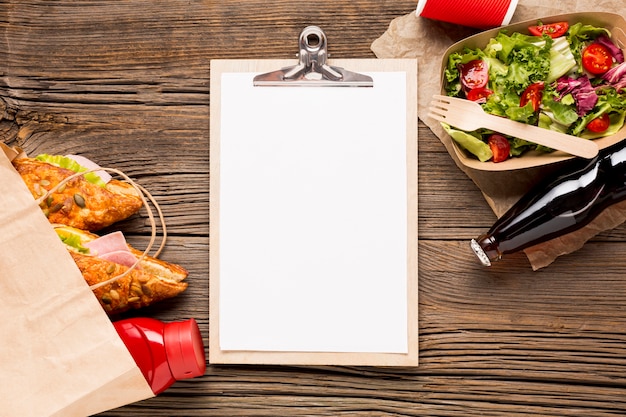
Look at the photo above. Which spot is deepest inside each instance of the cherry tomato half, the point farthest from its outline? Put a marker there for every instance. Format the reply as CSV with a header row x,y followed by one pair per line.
x,y
554,30
532,94
479,94
474,74
597,58
499,146
599,124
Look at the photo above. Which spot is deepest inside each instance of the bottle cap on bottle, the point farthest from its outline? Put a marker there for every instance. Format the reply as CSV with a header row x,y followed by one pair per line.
x,y
480,252
184,349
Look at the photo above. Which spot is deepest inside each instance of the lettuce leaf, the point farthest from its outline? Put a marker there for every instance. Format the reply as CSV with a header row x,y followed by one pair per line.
x,y
582,91
616,120
72,240
519,146
470,143
582,122
616,76
527,61
72,165
562,60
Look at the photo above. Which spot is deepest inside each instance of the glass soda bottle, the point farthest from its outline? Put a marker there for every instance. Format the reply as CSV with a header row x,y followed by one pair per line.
x,y
562,203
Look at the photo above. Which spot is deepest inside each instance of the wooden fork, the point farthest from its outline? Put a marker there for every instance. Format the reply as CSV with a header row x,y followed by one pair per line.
x,y
468,115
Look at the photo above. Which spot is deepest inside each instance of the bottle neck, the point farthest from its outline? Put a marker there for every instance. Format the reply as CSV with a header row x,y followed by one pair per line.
x,y
485,248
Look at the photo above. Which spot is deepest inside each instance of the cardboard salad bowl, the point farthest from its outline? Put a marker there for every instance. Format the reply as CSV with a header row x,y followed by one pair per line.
x,y
615,23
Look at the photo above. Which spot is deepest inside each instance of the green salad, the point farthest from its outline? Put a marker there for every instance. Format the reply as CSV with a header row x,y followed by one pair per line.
x,y
571,79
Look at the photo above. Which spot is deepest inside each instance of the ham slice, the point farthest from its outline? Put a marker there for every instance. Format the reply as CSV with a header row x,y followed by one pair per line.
x,y
111,242
112,247
120,257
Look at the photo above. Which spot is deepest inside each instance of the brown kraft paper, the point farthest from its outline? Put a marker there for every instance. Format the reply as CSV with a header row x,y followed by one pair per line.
x,y
61,355
411,36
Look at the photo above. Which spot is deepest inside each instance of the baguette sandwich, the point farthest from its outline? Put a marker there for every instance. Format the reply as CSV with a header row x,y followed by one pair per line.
x,y
122,278
90,201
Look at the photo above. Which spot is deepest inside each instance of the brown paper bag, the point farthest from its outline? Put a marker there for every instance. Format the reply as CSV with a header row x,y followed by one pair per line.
x,y
61,355
411,36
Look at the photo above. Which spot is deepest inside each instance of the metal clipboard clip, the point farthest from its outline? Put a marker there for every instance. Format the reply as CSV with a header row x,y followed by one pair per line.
x,y
312,70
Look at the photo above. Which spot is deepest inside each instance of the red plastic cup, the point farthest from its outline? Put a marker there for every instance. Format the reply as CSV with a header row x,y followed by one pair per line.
x,y
480,14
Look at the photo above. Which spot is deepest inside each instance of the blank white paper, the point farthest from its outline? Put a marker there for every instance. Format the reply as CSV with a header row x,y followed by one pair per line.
x,y
313,217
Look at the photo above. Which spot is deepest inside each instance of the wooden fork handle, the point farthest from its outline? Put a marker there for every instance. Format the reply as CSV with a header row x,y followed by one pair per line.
x,y
573,145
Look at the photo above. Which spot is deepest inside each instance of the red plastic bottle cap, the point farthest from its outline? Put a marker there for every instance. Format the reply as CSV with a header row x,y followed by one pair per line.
x,y
184,349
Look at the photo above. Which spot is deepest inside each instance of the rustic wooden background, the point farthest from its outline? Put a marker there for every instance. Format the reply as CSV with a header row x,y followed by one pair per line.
x,y
127,84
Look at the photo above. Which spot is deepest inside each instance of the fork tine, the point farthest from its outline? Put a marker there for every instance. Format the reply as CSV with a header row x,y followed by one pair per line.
x,y
455,103
436,108
439,104
442,98
449,110
440,107
443,104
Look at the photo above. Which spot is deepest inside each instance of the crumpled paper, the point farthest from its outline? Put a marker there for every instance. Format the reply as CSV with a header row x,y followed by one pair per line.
x,y
411,36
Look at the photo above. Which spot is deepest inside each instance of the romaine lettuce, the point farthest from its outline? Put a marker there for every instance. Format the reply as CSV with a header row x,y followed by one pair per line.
x,y
471,143
69,163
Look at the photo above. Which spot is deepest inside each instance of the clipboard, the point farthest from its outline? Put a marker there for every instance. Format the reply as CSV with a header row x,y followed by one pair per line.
x,y
313,210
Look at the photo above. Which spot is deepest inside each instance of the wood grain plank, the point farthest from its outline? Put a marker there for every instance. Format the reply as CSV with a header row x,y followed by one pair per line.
x,y
127,83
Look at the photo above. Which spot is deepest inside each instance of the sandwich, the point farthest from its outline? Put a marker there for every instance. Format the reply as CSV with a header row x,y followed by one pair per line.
x,y
78,197
90,201
121,277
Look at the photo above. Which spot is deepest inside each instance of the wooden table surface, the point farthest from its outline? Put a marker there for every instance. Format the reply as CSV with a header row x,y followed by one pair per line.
x,y
127,84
